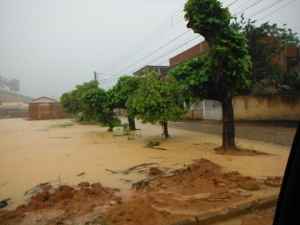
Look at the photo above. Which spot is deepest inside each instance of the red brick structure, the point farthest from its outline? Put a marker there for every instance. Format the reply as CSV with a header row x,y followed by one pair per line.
x,y
189,54
45,108
288,59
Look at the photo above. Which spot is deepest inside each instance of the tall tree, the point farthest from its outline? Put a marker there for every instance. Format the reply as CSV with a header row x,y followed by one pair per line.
x,y
157,100
91,102
120,94
71,101
266,42
225,69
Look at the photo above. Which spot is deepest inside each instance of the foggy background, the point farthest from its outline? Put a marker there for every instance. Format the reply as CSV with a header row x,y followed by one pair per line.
x,y
52,45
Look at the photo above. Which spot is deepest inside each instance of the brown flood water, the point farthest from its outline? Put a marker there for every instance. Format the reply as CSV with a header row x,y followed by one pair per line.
x,y
35,152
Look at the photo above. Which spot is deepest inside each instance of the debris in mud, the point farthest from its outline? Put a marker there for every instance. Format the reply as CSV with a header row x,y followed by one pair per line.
x,y
155,171
81,174
249,185
140,168
4,203
160,148
243,182
38,188
200,177
126,180
273,181
239,152
141,184
112,171
152,144
161,198
63,137
72,201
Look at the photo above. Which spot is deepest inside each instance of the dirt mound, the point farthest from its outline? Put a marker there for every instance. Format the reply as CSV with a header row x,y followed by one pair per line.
x,y
203,176
72,201
139,211
163,198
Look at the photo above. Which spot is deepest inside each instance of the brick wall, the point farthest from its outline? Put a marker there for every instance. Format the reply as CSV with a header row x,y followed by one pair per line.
x,y
45,111
189,54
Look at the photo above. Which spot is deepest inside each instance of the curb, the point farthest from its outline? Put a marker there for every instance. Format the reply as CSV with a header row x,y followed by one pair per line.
x,y
232,211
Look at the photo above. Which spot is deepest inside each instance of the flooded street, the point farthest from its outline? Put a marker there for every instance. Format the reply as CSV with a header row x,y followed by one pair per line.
x,y
61,152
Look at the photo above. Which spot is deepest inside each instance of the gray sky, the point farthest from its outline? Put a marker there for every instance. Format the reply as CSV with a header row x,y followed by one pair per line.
x,y
52,45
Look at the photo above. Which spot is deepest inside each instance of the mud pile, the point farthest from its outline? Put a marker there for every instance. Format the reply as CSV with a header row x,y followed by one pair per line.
x,y
164,197
65,202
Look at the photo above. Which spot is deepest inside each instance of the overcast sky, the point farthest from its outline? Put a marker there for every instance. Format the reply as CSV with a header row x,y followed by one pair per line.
x,y
52,45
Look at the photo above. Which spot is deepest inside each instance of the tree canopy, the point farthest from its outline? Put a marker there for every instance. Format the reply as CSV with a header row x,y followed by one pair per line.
x,y
89,102
265,42
120,94
157,100
225,70
226,67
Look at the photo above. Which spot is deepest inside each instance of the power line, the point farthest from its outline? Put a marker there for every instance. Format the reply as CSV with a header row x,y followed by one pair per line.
x,y
250,6
172,50
270,6
276,10
163,55
167,44
232,3
156,50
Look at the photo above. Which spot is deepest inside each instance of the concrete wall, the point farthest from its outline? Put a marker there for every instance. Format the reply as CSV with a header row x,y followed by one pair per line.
x,y
212,110
195,112
270,108
266,108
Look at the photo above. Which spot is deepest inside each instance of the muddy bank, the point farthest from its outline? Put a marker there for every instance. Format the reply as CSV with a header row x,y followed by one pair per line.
x,y
58,151
164,197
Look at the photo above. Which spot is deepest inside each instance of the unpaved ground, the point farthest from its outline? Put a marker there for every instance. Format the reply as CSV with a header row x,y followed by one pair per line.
x,y
163,198
34,152
273,132
62,153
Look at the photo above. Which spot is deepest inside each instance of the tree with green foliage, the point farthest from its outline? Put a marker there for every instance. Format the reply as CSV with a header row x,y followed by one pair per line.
x,y
120,94
71,101
266,42
225,70
157,100
91,103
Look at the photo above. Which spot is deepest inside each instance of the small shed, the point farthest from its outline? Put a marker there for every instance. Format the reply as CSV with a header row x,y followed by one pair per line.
x,y
45,108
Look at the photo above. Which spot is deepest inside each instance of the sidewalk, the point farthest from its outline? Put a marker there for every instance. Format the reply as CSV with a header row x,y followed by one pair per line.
x,y
281,133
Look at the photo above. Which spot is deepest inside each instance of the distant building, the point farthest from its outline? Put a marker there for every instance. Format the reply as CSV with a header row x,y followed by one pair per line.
x,y
189,53
45,108
248,107
161,70
288,59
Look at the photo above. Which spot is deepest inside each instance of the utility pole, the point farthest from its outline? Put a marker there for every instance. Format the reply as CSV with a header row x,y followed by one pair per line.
x,y
95,76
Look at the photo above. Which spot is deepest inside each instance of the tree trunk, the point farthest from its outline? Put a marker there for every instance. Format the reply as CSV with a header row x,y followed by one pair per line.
x,y
228,124
131,123
164,125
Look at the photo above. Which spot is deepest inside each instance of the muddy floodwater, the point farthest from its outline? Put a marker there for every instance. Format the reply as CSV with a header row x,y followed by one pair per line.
x,y
62,152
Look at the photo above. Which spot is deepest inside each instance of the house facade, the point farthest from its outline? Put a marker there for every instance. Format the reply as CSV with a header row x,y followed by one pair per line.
x,y
248,107
45,108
